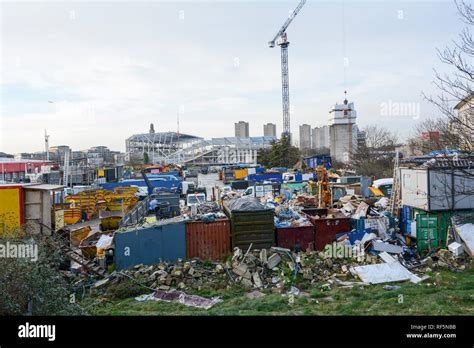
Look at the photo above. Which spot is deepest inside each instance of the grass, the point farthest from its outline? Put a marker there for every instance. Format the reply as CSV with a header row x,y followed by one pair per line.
x,y
444,293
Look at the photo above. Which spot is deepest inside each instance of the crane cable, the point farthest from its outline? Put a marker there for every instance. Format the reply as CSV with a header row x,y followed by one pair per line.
x,y
345,59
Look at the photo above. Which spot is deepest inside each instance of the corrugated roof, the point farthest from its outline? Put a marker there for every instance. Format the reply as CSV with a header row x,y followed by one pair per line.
x,y
45,187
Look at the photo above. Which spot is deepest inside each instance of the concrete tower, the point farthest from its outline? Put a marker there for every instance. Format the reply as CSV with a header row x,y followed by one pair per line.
x,y
343,131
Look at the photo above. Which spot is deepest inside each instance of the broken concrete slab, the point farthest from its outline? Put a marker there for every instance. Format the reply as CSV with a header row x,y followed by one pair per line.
x,y
273,261
256,280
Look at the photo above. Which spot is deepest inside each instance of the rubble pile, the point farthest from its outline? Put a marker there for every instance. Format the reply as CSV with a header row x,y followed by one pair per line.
x,y
276,269
286,216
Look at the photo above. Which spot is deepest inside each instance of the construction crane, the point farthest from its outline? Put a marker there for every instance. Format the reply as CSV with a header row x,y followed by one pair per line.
x,y
285,88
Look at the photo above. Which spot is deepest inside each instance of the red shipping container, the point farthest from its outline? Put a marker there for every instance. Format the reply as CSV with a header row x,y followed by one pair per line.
x,y
208,241
325,230
289,237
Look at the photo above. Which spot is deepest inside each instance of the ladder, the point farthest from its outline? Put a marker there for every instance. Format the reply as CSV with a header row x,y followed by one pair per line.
x,y
87,264
73,255
395,196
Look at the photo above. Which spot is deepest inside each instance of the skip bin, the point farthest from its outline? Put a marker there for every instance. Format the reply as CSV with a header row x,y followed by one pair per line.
x,y
150,245
208,241
255,225
301,237
325,229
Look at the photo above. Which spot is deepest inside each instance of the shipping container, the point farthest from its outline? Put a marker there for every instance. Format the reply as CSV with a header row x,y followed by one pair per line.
x,y
150,245
325,229
11,208
241,184
254,227
295,238
209,241
436,189
433,227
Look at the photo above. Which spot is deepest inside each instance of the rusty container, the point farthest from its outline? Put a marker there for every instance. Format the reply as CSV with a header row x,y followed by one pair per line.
x,y
300,237
326,228
208,241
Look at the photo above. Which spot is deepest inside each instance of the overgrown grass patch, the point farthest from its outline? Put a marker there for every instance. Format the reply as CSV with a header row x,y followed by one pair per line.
x,y
446,293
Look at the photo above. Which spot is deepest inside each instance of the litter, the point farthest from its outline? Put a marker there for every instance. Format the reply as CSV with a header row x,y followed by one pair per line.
x,y
390,248
455,248
183,298
464,228
390,271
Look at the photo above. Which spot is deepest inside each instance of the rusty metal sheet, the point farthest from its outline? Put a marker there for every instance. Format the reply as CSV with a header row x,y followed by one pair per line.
x,y
326,230
291,237
208,241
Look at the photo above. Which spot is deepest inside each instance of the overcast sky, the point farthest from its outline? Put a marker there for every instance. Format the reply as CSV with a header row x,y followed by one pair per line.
x,y
112,68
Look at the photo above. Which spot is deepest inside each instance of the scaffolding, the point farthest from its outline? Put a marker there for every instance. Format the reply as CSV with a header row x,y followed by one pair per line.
x,y
178,148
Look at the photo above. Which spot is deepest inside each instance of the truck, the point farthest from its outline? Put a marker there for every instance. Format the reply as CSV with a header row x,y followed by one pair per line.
x,y
297,177
281,177
260,190
195,198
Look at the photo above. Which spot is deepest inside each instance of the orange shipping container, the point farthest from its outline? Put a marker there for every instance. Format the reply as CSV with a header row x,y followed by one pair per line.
x,y
208,241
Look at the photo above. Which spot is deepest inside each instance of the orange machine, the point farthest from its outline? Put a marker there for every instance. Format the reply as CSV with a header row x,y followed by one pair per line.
x,y
324,191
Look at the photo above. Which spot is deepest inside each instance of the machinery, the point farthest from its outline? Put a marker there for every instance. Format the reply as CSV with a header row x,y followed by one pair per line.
x,y
283,43
324,191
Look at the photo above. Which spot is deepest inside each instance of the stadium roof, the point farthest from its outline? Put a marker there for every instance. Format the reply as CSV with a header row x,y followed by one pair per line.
x,y
163,137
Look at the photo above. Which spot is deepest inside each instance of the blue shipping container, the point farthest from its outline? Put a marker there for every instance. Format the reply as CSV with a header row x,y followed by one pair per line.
x,y
318,160
166,184
150,245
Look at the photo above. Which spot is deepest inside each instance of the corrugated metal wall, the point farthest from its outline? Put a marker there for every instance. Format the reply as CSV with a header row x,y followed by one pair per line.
x,y
252,227
208,241
150,245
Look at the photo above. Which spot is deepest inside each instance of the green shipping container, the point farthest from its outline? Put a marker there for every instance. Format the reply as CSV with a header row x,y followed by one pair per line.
x,y
252,227
432,228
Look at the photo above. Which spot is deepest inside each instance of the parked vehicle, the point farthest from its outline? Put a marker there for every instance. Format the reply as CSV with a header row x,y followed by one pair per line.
x,y
262,190
195,198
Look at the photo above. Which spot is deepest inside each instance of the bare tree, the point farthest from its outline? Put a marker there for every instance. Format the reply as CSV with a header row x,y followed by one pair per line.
x,y
440,136
456,98
374,157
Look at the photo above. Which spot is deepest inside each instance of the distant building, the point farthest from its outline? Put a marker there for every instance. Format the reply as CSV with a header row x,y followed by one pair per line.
x,y
269,130
320,137
361,138
343,131
242,129
12,170
305,136
465,126
59,152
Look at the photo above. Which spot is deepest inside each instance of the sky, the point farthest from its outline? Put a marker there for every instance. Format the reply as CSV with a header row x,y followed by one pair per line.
x,y
94,73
